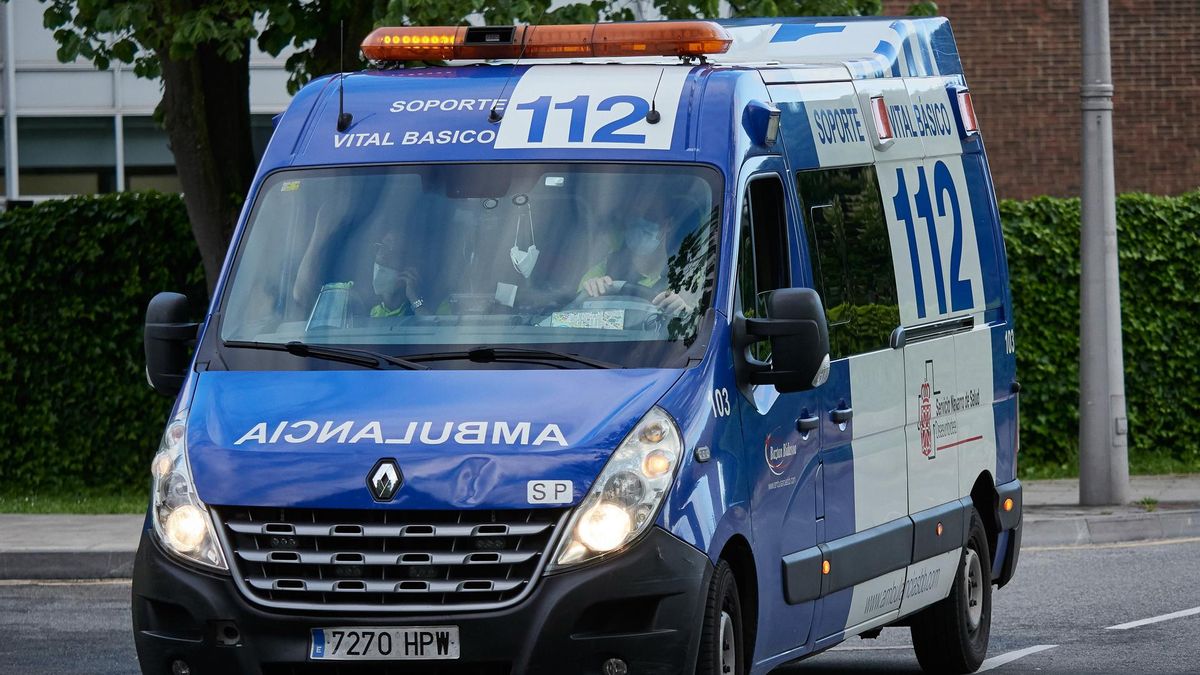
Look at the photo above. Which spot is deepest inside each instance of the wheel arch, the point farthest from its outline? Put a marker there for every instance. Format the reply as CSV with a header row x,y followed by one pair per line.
x,y
986,499
740,556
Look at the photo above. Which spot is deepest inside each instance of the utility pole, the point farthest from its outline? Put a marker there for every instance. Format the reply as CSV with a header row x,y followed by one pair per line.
x,y
10,106
1103,427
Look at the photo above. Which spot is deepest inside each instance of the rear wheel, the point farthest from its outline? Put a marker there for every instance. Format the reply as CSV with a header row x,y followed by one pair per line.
x,y
721,633
952,635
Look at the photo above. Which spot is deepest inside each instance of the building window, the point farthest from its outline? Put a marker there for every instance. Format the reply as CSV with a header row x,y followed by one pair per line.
x,y
149,164
66,155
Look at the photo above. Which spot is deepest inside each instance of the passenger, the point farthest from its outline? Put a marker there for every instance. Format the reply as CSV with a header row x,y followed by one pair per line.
x,y
641,260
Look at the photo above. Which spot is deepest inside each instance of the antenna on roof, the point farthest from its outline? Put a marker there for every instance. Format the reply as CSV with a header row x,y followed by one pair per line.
x,y
494,115
344,118
652,115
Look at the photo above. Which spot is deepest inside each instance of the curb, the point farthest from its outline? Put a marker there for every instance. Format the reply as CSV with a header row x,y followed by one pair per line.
x,y
1082,530
66,564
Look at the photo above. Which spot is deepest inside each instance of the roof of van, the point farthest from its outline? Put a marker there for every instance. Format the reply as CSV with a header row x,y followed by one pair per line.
x,y
442,113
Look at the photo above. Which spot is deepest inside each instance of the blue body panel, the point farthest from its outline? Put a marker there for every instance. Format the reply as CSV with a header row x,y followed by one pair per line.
x,y
443,469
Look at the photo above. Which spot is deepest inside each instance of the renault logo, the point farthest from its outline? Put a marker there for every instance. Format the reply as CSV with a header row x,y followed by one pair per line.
x,y
384,480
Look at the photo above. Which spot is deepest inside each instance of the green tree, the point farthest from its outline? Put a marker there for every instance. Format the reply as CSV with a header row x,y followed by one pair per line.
x,y
201,50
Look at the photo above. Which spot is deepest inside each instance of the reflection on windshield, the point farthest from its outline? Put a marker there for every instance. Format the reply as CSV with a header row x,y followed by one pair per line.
x,y
611,261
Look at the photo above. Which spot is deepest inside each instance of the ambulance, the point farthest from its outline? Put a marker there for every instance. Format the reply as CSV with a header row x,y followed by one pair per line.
x,y
660,347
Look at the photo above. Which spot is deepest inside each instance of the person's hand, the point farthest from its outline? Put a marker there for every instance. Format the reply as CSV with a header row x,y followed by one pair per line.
x,y
598,286
672,303
410,278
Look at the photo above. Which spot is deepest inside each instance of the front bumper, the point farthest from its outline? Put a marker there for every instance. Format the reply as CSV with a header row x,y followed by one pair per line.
x,y
643,606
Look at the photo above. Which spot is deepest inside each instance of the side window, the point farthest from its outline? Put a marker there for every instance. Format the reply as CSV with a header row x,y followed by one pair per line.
x,y
763,249
851,257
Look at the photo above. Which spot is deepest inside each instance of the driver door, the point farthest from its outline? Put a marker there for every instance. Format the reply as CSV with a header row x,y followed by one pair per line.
x,y
781,437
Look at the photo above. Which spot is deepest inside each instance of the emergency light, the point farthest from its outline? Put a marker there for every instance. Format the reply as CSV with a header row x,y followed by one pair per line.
x,y
881,123
649,38
966,113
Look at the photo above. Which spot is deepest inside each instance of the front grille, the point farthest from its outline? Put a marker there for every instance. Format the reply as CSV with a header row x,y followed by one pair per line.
x,y
390,560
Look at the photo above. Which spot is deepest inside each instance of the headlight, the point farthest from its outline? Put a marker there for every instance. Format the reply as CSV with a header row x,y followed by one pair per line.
x,y
180,519
626,495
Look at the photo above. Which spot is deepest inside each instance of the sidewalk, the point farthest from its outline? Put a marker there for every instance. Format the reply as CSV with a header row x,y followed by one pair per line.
x,y
99,547
68,546
1053,516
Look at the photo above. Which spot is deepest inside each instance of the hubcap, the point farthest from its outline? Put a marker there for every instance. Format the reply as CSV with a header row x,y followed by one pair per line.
x,y
973,583
728,644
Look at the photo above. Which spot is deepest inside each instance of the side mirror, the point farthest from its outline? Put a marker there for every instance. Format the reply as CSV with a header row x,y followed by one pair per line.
x,y
799,335
167,337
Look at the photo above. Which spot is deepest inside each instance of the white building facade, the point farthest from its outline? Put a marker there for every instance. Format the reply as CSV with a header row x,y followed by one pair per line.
x,y
72,129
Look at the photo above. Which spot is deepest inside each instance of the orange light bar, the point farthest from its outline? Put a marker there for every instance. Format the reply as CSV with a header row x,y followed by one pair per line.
x,y
650,38
667,38
413,44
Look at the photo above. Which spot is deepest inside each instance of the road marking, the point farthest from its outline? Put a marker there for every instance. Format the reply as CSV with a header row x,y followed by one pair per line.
x,y
997,661
1156,619
1123,544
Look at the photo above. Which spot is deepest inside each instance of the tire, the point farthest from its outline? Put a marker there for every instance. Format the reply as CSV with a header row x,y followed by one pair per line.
x,y
721,640
952,635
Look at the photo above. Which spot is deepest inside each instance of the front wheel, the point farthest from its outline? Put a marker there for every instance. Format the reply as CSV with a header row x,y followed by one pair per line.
x,y
952,635
721,642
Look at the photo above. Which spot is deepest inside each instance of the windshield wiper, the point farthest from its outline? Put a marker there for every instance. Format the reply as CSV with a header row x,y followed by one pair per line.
x,y
359,357
486,354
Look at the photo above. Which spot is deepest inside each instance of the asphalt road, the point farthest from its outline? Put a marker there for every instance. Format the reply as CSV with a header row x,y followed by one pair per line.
x,y
1054,618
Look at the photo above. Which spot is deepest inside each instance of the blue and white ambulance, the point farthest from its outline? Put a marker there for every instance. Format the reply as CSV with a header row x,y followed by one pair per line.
x,y
661,347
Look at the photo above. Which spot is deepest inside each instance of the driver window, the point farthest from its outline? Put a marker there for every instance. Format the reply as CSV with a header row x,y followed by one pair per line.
x,y
763,250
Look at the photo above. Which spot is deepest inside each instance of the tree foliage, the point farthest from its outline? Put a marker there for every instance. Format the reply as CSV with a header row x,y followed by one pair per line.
x,y
74,406
1159,244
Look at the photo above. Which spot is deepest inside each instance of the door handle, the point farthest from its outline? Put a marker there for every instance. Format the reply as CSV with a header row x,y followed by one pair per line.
x,y
841,415
807,424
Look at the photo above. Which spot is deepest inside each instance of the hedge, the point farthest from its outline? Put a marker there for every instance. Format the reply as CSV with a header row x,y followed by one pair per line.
x,y
1159,240
75,409
77,274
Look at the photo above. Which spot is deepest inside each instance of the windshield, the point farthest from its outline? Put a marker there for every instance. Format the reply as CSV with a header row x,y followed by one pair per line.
x,y
613,262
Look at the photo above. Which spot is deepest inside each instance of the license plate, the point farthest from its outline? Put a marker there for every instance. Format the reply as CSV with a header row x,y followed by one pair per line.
x,y
385,643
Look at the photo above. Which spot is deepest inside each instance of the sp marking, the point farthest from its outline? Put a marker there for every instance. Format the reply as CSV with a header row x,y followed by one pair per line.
x,y
384,480
549,491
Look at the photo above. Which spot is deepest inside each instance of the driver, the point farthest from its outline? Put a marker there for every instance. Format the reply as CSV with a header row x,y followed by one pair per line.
x,y
641,260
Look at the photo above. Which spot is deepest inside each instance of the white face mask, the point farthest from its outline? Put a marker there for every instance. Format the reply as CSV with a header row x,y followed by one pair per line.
x,y
643,237
385,280
524,261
